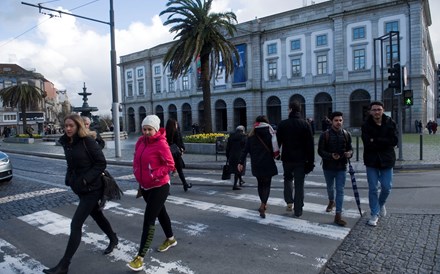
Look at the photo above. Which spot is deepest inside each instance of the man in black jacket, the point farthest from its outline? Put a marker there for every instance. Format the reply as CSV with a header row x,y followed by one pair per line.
x,y
297,145
379,135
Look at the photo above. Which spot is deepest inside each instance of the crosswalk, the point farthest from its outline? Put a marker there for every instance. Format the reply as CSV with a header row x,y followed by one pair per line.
x,y
55,225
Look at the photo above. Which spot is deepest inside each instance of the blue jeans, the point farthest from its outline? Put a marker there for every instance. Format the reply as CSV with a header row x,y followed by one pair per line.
x,y
384,176
332,178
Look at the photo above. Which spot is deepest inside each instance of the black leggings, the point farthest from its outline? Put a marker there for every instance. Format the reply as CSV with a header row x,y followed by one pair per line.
x,y
264,184
155,208
88,205
178,162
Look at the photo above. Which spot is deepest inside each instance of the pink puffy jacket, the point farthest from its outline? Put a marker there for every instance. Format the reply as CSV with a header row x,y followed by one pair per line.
x,y
152,161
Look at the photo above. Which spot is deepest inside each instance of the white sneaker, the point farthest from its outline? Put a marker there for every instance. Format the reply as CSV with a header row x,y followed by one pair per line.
x,y
373,220
383,211
289,207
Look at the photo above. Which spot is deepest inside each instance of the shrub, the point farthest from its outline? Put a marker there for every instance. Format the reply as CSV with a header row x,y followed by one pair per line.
x,y
204,138
36,136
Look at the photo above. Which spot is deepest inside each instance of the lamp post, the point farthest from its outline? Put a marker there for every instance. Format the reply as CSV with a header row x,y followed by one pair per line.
x,y
114,79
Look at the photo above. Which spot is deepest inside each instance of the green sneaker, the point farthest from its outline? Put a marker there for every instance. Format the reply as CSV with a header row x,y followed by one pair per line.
x,y
166,245
137,264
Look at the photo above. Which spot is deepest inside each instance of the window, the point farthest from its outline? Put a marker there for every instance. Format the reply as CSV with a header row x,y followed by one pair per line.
x,y
296,67
141,87
185,82
129,74
322,64
295,44
130,89
157,85
171,85
272,49
391,26
272,69
395,55
321,40
358,33
359,59
10,117
157,70
140,73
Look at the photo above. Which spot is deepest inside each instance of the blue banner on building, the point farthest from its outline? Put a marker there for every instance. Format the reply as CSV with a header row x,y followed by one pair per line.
x,y
240,67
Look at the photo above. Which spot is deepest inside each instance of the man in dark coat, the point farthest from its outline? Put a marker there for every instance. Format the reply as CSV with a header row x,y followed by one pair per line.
x,y
296,142
379,135
236,143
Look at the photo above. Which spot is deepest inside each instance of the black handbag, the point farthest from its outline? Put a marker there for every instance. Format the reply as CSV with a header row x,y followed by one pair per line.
x,y
175,150
226,174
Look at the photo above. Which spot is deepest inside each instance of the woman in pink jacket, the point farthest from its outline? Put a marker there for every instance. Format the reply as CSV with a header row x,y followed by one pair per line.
x,y
151,166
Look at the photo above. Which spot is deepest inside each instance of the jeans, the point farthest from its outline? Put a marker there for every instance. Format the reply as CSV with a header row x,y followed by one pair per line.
x,y
335,178
294,171
384,176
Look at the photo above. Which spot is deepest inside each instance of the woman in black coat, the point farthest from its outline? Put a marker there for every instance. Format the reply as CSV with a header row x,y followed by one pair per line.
x,y
85,164
259,145
174,137
234,147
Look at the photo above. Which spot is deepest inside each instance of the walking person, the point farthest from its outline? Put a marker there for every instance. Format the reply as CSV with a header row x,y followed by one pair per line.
x,y
263,148
85,164
297,145
151,167
379,135
235,145
174,136
335,149
98,137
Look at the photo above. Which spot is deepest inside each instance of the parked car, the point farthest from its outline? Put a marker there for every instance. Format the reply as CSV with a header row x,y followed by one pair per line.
x,y
5,167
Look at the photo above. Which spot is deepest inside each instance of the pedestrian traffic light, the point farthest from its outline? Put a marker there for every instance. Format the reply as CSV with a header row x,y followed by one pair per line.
x,y
408,98
394,78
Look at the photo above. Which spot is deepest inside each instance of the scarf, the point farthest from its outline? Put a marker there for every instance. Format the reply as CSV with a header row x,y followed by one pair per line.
x,y
275,147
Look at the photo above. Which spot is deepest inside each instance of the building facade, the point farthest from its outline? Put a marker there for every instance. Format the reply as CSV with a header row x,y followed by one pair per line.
x,y
329,56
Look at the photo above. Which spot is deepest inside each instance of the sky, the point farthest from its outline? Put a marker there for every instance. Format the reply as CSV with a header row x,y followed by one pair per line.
x,y
71,51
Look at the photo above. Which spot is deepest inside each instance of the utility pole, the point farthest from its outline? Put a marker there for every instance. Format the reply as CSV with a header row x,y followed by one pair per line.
x,y
114,79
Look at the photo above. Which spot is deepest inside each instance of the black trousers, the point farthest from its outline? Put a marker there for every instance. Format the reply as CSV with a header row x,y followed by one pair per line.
x,y
155,208
88,205
294,172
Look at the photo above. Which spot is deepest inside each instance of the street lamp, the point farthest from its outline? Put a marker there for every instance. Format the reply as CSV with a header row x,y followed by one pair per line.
x,y
115,104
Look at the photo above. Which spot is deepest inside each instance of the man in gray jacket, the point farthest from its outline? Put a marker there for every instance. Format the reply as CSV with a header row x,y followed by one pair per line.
x,y
296,141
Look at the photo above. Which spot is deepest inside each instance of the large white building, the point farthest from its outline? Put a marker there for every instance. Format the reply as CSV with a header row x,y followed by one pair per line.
x,y
322,55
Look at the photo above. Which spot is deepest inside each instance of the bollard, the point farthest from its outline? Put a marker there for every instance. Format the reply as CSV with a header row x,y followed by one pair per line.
x,y
421,146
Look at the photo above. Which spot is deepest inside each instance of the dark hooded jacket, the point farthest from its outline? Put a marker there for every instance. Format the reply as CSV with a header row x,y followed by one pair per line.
x,y
234,147
85,164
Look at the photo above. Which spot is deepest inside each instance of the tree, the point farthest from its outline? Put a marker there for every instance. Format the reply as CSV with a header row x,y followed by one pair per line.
x,y
200,33
22,96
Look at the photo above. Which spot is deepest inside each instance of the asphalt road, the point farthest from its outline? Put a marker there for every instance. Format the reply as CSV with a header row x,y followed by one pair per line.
x,y
218,230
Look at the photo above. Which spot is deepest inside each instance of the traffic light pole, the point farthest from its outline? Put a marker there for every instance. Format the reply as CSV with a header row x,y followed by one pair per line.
x,y
115,104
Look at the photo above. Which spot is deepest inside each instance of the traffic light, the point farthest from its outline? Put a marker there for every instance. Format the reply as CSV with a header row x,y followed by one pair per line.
x,y
394,78
408,98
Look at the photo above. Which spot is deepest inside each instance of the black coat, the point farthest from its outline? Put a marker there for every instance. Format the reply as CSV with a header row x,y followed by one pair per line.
x,y
330,142
176,138
295,139
85,164
234,147
262,162
379,142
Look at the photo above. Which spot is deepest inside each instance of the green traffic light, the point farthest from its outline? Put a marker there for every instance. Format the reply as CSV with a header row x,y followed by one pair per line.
x,y
408,102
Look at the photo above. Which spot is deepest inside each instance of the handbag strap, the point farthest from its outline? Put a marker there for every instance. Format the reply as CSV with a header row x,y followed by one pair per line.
x,y
267,148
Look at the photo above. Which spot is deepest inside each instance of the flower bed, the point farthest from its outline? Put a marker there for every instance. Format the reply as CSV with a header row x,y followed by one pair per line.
x,y
207,138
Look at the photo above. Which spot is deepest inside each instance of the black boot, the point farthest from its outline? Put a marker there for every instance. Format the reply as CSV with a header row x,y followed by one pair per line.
x,y
61,268
186,186
113,243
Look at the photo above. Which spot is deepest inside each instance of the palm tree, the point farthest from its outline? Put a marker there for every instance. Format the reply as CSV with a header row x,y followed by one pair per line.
x,y
23,96
200,33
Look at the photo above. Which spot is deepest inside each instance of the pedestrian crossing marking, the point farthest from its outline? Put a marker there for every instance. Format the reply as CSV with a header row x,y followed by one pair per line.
x,y
15,262
32,194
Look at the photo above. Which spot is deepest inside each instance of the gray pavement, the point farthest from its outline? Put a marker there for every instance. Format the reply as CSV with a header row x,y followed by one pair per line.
x,y
401,243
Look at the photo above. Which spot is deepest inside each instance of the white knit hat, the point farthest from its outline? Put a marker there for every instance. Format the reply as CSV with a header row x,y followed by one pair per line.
x,y
152,121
